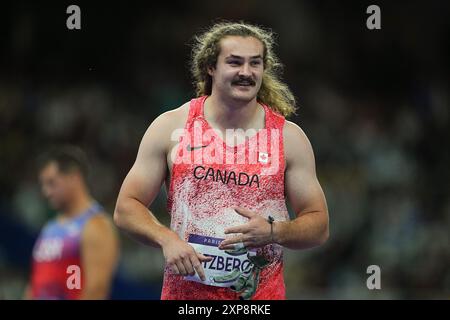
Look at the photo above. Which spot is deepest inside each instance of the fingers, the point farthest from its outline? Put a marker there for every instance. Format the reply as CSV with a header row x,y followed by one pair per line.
x,y
181,268
203,258
231,244
228,244
245,227
174,268
244,212
237,229
198,266
188,265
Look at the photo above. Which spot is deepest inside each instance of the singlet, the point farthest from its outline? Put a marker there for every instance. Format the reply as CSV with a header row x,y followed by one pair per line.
x,y
209,177
57,248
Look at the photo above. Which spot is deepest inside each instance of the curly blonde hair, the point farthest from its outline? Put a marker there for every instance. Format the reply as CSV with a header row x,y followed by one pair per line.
x,y
273,92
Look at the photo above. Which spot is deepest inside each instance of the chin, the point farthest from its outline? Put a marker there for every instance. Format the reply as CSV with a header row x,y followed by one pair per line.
x,y
55,205
244,96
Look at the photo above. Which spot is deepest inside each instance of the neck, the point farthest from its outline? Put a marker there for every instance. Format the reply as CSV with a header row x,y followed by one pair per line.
x,y
78,204
230,114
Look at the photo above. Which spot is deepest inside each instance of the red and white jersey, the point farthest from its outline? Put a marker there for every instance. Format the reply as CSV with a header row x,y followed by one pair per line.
x,y
209,178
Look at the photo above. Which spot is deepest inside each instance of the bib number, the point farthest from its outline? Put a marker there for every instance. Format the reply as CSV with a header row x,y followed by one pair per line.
x,y
226,267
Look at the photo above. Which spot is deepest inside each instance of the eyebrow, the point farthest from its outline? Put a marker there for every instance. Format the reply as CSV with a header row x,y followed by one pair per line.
x,y
232,56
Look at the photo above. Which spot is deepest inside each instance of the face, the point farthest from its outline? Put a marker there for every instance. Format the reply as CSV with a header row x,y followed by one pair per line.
x,y
239,69
55,185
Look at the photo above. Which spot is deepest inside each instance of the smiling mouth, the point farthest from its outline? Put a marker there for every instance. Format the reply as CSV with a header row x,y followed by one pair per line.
x,y
244,84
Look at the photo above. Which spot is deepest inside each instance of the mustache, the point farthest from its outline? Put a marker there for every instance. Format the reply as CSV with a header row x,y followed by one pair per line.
x,y
244,80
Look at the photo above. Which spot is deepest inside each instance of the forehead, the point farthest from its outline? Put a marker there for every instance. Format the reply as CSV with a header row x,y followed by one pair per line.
x,y
241,46
51,169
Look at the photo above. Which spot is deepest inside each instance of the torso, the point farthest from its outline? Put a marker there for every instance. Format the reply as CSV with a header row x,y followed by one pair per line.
x,y
201,206
57,248
179,117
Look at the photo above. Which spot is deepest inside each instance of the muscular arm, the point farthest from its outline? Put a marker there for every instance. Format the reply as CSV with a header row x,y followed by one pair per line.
x,y
140,188
99,254
142,185
304,193
303,190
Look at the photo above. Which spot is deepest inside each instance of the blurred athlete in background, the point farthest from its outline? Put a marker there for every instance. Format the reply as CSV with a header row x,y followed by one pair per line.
x,y
242,199
76,253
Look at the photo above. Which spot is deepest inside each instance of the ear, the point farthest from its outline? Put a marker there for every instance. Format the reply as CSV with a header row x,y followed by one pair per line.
x,y
75,175
210,71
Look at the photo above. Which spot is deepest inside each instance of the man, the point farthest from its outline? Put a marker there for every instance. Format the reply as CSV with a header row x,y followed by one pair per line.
x,y
76,253
233,189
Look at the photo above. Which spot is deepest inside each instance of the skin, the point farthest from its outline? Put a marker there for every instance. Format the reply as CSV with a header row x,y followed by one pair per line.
x,y
68,193
100,252
229,106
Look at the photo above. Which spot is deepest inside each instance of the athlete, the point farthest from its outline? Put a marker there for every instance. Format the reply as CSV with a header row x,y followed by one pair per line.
x,y
229,161
76,253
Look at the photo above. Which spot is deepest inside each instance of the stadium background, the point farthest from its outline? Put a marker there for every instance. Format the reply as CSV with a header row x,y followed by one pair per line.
x,y
375,105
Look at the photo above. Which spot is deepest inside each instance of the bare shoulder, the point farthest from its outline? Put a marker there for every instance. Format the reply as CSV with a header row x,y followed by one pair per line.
x,y
174,118
161,129
100,244
98,226
297,146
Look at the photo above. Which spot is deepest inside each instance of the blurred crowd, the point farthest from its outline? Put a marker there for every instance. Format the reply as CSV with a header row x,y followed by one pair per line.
x,y
375,105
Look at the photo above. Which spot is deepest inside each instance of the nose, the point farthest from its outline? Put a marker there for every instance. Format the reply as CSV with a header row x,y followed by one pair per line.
x,y
46,191
245,70
47,194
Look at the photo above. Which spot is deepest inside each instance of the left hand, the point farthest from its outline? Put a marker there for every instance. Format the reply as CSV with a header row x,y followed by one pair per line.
x,y
255,233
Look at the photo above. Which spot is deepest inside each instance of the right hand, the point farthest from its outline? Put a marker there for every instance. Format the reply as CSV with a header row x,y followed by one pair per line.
x,y
182,259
